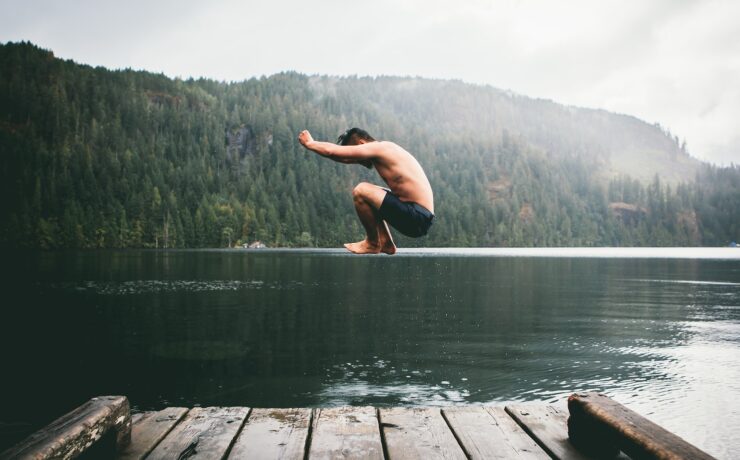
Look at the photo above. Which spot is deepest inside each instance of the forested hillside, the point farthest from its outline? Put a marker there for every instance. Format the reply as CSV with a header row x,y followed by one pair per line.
x,y
95,158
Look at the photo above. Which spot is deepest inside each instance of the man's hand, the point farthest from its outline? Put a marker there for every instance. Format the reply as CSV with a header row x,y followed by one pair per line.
x,y
305,138
350,154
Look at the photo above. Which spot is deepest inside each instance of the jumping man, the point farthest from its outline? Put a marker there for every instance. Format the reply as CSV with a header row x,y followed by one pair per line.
x,y
408,205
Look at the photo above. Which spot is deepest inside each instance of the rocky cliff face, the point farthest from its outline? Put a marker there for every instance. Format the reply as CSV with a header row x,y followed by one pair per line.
x,y
242,141
627,213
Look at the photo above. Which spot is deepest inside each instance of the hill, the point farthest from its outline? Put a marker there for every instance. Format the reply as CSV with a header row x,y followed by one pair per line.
x,y
621,144
99,158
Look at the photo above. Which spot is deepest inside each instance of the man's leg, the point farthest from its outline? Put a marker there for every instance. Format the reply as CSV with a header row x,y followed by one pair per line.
x,y
386,240
367,199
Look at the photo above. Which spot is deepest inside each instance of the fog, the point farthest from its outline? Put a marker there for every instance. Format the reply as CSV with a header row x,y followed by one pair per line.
x,y
676,63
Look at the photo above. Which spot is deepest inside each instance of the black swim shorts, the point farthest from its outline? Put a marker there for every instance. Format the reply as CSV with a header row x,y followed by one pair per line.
x,y
409,218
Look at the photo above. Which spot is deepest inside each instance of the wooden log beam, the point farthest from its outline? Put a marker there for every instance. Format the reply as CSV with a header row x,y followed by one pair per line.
x,y
77,431
594,416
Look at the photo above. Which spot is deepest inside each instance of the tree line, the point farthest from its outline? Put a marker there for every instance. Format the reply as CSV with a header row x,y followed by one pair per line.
x,y
94,158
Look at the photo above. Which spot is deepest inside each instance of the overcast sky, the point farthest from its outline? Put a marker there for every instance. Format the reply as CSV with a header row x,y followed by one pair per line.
x,y
676,62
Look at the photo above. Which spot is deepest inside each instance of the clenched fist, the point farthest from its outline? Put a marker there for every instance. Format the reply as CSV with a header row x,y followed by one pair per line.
x,y
305,137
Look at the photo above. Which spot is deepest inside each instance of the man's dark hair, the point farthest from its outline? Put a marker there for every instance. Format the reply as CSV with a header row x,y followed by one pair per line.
x,y
353,135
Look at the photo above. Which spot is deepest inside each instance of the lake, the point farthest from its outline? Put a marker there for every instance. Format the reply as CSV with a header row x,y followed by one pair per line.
x,y
656,329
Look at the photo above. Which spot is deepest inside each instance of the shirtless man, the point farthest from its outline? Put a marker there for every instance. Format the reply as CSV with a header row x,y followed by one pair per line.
x,y
408,205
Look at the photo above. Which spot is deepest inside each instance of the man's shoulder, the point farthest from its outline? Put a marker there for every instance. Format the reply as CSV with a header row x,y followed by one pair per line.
x,y
389,147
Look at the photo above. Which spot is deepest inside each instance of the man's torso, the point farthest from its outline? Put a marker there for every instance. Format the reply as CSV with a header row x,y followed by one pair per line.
x,y
404,175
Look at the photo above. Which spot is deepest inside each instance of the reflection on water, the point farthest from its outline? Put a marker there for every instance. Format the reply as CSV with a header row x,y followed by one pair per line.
x,y
709,283
319,328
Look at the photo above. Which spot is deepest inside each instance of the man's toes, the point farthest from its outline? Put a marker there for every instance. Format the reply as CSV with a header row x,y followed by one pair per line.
x,y
362,247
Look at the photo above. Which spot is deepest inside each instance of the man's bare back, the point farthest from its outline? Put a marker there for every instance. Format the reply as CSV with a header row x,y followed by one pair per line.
x,y
409,206
403,174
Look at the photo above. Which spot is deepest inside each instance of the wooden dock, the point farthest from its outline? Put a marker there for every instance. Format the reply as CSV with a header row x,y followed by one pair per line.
x,y
513,431
352,432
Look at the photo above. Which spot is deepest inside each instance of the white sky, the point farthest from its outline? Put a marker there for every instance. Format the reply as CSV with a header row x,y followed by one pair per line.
x,y
676,62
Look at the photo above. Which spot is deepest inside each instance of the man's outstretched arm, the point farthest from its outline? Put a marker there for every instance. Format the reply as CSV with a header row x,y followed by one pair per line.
x,y
362,154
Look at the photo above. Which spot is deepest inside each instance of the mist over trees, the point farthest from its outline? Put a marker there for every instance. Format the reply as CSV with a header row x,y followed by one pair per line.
x,y
93,158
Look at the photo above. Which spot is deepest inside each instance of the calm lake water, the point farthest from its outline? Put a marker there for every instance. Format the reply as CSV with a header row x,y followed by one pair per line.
x,y
658,330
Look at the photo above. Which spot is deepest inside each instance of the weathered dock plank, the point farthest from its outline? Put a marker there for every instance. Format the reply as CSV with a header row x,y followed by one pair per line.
x,y
548,426
273,434
418,433
594,416
204,433
148,429
345,432
491,433
75,432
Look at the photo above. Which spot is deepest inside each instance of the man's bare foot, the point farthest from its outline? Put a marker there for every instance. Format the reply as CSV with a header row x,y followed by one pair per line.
x,y
388,247
363,247
386,241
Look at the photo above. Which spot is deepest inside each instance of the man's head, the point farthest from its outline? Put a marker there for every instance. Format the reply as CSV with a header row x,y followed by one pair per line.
x,y
354,136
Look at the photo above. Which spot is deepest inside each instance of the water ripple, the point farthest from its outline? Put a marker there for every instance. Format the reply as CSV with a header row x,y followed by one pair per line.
x,y
379,382
156,286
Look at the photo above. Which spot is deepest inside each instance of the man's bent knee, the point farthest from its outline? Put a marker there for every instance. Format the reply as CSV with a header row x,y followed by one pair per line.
x,y
361,190
365,193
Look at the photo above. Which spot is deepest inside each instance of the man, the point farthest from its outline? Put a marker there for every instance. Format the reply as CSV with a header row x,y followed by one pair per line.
x,y
408,205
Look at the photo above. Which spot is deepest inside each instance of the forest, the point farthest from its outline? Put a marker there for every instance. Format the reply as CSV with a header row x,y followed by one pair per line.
x,y
98,158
